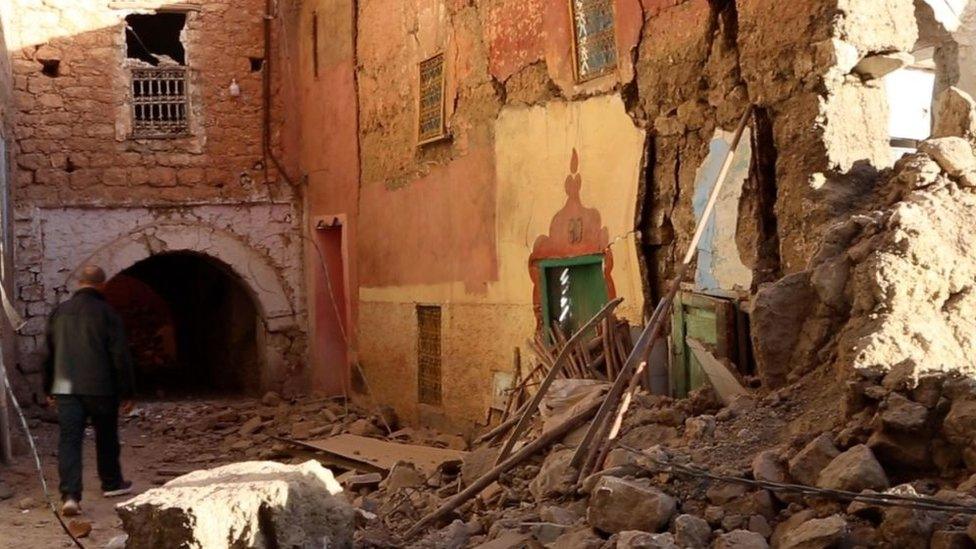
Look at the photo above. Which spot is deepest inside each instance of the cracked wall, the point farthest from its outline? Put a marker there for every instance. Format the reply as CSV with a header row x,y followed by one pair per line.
x,y
446,223
82,180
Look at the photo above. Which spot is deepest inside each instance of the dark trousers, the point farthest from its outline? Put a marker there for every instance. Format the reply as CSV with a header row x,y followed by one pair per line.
x,y
73,413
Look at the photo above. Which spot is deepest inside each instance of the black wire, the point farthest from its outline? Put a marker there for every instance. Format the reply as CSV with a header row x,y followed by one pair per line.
x,y
37,457
889,500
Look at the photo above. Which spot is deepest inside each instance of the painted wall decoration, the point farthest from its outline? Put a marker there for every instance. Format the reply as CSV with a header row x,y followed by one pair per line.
x,y
574,231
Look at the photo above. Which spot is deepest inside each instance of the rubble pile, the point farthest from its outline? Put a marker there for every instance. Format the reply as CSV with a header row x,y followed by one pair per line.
x,y
866,362
264,429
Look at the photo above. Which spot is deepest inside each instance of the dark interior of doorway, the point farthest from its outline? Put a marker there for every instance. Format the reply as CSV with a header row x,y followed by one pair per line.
x,y
192,326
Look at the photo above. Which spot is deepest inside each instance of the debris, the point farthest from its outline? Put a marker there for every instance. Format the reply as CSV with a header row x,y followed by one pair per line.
x,y
854,470
691,531
79,528
617,505
26,503
384,455
877,66
806,465
243,504
722,380
826,532
740,539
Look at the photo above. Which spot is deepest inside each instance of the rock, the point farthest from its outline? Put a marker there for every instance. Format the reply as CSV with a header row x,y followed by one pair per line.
x,y
248,504
740,539
6,492
692,531
959,426
877,66
954,114
721,493
788,525
780,311
555,477
251,426
954,154
806,465
854,470
117,542
477,462
699,427
904,527
951,539
79,528
580,538
363,428
547,532
26,503
816,534
767,466
634,539
271,398
759,525
903,415
645,436
558,515
302,430
403,475
901,449
616,505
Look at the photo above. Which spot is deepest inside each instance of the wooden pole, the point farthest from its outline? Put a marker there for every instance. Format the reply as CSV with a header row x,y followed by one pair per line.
x,y
601,424
557,366
544,440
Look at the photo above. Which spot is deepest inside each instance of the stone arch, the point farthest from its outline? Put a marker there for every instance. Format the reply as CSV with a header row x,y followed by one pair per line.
x,y
255,270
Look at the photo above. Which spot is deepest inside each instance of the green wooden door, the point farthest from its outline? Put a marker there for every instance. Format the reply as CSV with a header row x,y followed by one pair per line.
x,y
574,290
708,319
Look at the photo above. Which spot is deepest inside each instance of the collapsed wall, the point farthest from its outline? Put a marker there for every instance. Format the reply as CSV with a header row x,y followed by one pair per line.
x,y
890,291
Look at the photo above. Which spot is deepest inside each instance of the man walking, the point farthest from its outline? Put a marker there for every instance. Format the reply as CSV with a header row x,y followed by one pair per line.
x,y
87,371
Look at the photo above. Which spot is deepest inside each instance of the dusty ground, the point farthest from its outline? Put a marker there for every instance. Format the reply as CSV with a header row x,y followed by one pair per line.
x,y
144,454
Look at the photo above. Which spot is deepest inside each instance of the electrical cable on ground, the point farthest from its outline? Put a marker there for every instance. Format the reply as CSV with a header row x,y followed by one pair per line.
x,y
37,460
881,499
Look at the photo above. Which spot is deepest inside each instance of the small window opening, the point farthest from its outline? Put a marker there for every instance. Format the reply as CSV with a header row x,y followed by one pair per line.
x,y
155,38
257,63
910,92
315,44
429,354
431,125
51,67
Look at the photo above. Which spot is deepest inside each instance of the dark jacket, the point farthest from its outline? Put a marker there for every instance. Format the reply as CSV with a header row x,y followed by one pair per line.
x,y
87,350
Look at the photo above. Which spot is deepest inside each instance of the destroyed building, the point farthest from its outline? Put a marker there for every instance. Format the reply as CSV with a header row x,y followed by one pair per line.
x,y
416,203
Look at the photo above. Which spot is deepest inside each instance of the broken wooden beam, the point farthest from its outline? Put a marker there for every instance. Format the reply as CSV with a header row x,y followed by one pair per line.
x,y
544,440
561,360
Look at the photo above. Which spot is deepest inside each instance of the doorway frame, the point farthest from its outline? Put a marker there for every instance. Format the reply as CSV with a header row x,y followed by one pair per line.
x,y
554,263
318,224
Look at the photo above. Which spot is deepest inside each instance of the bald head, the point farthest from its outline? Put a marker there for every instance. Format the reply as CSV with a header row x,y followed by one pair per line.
x,y
91,276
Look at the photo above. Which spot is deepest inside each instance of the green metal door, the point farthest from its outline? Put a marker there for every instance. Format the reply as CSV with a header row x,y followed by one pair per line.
x,y
574,289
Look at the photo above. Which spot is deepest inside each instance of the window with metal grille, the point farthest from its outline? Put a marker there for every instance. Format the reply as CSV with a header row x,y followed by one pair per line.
x,y
595,42
159,102
429,354
431,125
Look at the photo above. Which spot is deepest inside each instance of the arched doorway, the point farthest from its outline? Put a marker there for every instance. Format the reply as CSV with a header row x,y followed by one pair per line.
x,y
192,324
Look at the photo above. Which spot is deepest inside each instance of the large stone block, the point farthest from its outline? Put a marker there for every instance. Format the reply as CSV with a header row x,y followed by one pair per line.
x,y
252,504
617,505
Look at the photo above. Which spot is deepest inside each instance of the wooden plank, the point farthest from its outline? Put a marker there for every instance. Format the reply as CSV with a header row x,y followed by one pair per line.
x,y
382,454
558,365
725,384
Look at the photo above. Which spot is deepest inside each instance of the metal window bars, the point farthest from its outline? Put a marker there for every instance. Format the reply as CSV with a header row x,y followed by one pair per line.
x,y
159,102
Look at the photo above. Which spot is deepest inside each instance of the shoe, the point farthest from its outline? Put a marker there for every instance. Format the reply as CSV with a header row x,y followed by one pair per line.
x,y
124,488
70,507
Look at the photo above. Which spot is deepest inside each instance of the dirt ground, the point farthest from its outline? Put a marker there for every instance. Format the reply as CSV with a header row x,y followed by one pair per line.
x,y
144,454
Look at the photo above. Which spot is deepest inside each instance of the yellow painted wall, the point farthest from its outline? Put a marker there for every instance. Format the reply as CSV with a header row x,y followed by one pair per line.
x,y
532,151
